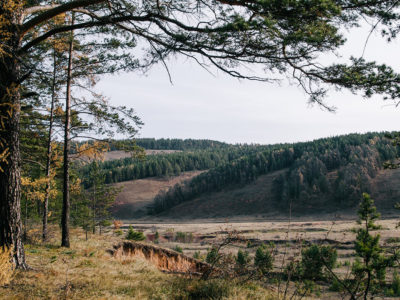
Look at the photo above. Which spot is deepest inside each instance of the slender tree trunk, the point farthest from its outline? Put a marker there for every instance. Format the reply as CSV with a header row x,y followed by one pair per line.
x,y
66,184
94,207
25,234
10,161
39,207
49,150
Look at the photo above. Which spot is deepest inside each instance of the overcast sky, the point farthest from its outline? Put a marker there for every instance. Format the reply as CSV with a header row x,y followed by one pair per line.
x,y
201,106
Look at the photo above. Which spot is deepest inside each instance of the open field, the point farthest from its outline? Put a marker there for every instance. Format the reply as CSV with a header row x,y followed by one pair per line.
x,y
88,271
289,238
338,233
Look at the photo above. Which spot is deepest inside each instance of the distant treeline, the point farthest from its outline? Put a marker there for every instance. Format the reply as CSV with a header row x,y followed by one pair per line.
x,y
171,144
159,144
167,164
331,171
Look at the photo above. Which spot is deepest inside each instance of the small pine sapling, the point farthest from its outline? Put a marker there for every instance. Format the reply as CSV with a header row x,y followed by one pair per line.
x,y
263,260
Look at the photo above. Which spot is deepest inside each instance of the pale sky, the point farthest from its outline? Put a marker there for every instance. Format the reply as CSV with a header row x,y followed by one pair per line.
x,y
201,106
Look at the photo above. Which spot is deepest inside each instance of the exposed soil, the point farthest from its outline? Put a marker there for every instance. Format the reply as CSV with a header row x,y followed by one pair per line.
x,y
137,194
162,258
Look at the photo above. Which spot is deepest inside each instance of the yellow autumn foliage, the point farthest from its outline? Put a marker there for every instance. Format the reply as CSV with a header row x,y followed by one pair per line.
x,y
59,43
75,187
3,157
9,7
6,267
36,189
94,150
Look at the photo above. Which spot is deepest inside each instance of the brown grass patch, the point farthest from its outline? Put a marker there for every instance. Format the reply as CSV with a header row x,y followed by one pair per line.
x,y
87,271
6,267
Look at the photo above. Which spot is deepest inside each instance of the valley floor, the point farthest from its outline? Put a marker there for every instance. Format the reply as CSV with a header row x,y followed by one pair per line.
x,y
88,271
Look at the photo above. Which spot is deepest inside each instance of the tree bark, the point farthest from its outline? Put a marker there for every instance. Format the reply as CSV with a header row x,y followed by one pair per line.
x,y
66,183
10,173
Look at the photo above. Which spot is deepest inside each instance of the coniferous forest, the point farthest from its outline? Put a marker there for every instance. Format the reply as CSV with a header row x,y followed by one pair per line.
x,y
331,172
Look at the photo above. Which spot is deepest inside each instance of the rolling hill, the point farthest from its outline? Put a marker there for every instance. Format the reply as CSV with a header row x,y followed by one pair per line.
x,y
322,176
136,195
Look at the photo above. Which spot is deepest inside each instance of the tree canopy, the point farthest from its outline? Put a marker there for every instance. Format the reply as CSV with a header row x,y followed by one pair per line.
x,y
284,38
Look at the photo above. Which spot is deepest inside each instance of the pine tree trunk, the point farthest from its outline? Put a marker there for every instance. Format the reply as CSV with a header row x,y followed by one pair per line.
x,y
94,207
49,151
66,183
10,174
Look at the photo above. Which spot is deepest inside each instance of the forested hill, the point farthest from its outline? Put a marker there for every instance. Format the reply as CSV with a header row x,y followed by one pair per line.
x,y
178,144
171,144
190,155
329,172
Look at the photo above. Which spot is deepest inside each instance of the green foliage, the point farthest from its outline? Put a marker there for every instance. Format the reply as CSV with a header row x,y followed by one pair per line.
x,y
315,259
395,286
174,144
156,237
92,207
356,158
242,258
394,289
263,259
178,248
369,268
196,255
335,286
307,287
212,255
169,164
134,235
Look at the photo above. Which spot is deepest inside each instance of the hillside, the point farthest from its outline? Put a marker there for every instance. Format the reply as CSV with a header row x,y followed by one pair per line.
x,y
203,179
136,195
256,200
320,176
253,199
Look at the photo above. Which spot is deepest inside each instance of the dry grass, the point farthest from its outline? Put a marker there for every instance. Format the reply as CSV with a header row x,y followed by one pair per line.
x,y
86,271
131,202
6,268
